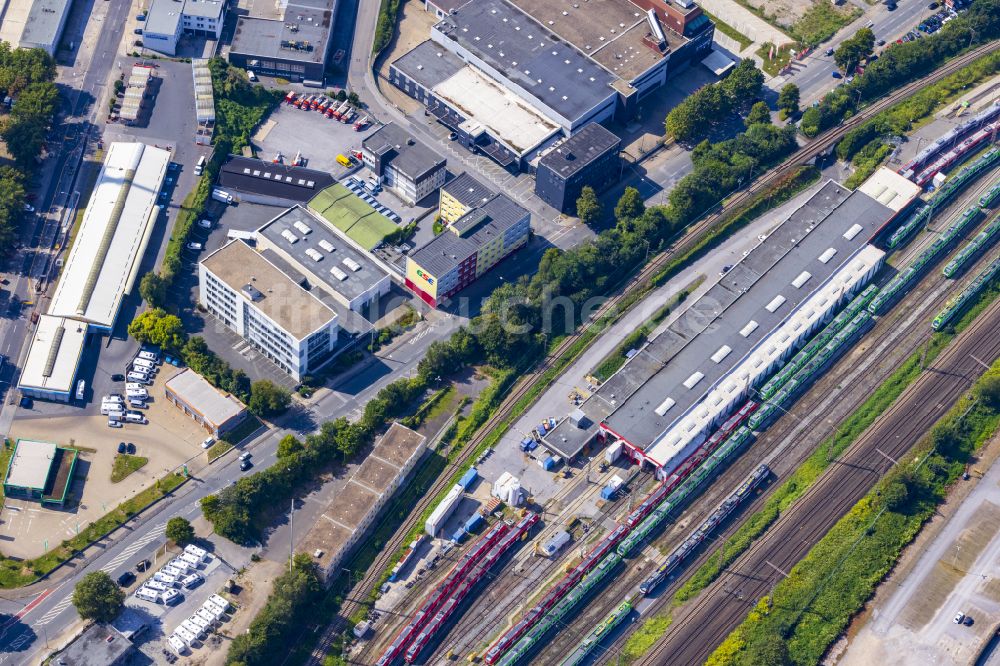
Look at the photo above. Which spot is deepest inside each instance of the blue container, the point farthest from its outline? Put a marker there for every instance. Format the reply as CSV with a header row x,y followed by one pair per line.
x,y
458,536
527,444
549,464
468,478
607,492
473,523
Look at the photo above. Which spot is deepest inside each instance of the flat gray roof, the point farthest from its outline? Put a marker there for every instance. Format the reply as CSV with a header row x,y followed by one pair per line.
x,y
429,64
205,8
530,55
93,648
467,190
356,283
447,250
413,159
45,21
164,17
31,464
626,402
215,406
303,34
592,141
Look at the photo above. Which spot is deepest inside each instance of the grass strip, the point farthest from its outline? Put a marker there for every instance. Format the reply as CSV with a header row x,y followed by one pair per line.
x,y
244,430
17,573
125,465
219,449
810,608
6,453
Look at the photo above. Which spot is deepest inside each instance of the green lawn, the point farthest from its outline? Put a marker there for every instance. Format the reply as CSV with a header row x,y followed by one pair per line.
x,y
729,31
251,425
822,21
219,449
125,464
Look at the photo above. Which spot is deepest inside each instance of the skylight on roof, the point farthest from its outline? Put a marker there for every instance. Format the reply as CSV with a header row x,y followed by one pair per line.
x,y
853,231
775,303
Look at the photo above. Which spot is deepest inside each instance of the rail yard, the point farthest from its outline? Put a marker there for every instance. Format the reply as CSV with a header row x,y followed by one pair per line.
x,y
566,617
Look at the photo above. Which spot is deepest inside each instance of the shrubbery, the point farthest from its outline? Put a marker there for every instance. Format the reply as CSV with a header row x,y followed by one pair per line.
x,y
694,118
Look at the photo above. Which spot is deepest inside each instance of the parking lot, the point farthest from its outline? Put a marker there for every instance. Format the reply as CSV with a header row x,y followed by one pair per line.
x,y
169,440
319,139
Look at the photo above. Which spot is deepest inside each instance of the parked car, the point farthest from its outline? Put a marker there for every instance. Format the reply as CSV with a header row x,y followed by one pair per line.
x,y
194,246
126,579
121,447
130,448
29,208
959,617
208,442
118,377
245,465
245,456
205,224
142,565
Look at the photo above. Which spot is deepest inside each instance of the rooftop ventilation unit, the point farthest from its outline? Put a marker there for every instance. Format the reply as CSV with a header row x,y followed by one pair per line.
x,y
314,254
775,303
693,380
654,26
749,328
289,236
802,278
350,263
327,245
339,274
665,406
852,232
302,227
827,255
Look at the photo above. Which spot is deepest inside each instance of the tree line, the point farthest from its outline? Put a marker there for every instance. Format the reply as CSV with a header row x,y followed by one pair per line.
x,y
30,99
904,63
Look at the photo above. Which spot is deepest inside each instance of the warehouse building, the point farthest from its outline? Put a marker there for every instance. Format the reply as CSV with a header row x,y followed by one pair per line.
x,y
34,24
136,91
40,471
460,195
258,181
295,47
509,76
280,319
315,249
204,101
168,20
667,397
404,165
216,411
50,369
588,158
352,511
469,247
103,263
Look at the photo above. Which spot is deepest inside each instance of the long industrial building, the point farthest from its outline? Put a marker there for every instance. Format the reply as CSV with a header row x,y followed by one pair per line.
x,y
103,264
100,270
510,76
667,398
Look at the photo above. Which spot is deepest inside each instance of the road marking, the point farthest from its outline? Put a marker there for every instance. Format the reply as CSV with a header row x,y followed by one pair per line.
x,y
134,547
55,612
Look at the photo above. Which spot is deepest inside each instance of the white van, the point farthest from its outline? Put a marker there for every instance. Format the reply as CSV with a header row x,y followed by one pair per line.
x,y
165,578
205,615
180,565
193,560
112,399
200,166
219,601
251,76
135,386
171,597
148,365
107,408
193,628
133,417
137,403
191,580
81,387
171,570
134,376
149,356
192,549
156,585
185,635
115,414
147,594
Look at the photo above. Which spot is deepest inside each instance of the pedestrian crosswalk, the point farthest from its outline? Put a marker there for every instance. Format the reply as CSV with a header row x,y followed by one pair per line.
x,y
153,534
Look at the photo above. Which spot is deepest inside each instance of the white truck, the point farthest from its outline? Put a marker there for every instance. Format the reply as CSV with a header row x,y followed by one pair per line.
x,y
222,195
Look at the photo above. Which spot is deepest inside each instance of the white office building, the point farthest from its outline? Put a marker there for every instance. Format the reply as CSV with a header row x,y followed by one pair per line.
x,y
254,298
168,20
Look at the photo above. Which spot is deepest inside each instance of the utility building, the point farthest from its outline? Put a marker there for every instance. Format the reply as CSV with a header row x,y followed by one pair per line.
x,y
460,195
589,157
295,46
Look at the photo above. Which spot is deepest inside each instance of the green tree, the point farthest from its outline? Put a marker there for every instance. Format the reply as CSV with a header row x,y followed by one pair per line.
x,y
988,390
767,652
895,495
156,327
341,95
289,445
588,207
353,98
97,597
812,121
744,83
852,51
267,398
630,205
153,289
788,99
759,113
179,531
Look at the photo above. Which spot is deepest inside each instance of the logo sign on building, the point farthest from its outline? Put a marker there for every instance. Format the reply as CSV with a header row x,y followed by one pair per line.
x,y
425,276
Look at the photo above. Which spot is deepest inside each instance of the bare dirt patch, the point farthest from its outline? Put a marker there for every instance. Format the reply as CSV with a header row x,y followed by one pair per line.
x,y
783,12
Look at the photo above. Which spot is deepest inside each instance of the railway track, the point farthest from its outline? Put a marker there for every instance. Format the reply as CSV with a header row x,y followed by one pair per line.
x,y
875,354
699,628
357,597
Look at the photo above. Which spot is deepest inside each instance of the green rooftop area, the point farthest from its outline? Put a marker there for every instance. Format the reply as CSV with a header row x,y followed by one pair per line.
x,y
352,215
40,471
